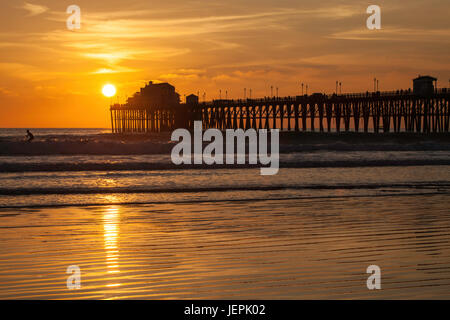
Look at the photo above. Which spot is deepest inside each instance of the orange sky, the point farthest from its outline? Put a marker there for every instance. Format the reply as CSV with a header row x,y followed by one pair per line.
x,y
52,77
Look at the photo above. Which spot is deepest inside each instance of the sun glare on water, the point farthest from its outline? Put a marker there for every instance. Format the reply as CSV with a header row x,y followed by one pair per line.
x,y
109,90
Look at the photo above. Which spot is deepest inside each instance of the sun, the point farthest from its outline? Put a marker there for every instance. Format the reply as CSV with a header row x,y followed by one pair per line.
x,y
109,90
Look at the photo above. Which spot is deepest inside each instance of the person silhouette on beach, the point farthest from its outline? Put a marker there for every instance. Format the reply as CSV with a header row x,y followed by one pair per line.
x,y
29,136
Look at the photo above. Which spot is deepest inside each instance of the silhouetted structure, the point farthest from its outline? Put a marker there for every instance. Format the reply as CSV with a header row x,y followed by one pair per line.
x,y
155,95
379,111
423,85
151,109
192,100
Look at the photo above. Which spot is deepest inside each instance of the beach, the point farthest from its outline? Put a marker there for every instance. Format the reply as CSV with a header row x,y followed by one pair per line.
x,y
139,228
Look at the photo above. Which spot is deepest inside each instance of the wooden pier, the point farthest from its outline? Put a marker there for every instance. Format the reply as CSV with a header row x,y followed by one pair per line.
x,y
399,111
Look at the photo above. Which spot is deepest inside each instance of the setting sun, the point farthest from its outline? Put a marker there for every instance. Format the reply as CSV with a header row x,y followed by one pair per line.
x,y
109,90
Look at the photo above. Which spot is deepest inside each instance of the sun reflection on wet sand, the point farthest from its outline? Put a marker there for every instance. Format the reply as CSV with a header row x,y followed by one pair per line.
x,y
111,235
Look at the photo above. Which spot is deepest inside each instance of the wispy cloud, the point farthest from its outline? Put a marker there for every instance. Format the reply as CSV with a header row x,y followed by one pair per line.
x,y
394,33
34,9
117,54
187,74
114,70
112,57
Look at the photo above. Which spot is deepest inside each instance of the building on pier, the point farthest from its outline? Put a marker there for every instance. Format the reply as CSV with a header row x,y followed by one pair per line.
x,y
156,107
191,100
424,85
155,95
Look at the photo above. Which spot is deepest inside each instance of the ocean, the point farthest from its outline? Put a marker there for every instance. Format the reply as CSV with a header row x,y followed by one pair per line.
x,y
139,227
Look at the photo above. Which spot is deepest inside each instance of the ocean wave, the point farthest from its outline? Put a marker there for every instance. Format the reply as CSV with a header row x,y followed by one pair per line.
x,y
159,143
140,166
147,189
82,146
185,198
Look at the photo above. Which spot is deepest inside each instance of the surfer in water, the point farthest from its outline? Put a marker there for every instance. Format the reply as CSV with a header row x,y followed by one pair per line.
x,y
29,136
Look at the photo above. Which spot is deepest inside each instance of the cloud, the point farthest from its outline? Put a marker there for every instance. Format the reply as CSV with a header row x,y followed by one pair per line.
x,y
109,57
117,54
136,25
394,34
191,74
33,9
115,70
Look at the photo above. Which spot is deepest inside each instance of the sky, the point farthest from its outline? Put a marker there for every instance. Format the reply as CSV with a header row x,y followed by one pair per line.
x,y
52,77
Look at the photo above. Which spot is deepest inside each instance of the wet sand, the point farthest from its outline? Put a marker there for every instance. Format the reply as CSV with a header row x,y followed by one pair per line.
x,y
274,249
